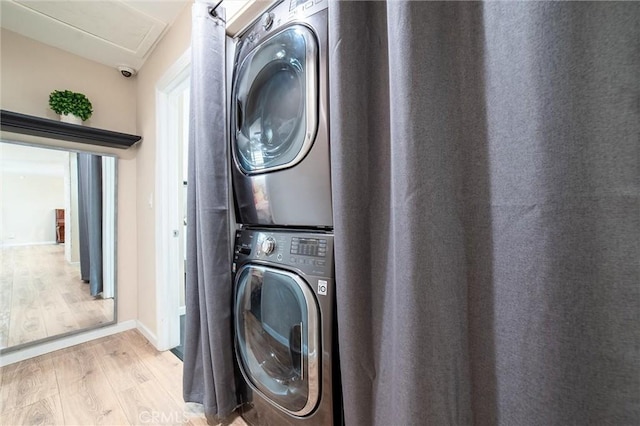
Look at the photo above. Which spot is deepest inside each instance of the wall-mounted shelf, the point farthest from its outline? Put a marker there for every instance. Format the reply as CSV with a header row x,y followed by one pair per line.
x,y
38,126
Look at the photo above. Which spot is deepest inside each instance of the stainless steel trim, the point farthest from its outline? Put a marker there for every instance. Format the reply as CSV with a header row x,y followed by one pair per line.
x,y
313,343
311,97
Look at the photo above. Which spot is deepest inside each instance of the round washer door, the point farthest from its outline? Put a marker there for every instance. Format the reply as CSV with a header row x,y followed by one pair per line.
x,y
275,102
277,337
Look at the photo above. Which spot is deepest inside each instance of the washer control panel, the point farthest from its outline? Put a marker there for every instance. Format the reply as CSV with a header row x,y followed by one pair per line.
x,y
310,252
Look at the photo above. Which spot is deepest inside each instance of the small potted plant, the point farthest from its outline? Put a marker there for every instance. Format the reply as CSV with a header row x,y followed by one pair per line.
x,y
73,107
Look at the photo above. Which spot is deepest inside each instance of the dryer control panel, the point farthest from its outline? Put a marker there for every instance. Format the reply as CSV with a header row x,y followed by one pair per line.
x,y
277,17
309,252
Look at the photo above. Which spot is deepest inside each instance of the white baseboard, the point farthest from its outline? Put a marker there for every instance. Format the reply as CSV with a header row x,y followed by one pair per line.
x,y
152,338
65,342
37,243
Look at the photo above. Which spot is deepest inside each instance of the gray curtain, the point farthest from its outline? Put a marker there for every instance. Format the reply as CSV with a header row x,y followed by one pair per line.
x,y
90,220
208,349
486,201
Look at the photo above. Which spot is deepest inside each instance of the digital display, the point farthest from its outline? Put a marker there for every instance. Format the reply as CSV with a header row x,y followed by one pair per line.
x,y
296,3
309,247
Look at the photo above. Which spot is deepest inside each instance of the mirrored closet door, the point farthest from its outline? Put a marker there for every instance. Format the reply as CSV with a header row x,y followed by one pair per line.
x,y
57,243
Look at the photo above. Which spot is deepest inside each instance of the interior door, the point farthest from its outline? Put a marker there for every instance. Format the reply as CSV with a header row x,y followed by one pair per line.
x,y
277,332
275,102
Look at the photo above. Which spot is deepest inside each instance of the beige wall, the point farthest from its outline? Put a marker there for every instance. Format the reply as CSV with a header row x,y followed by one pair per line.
x,y
32,70
168,51
29,71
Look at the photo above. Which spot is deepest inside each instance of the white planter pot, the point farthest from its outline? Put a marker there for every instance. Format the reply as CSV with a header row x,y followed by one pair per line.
x,y
70,118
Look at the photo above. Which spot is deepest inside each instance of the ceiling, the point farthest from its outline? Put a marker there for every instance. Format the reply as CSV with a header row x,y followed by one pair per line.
x,y
111,32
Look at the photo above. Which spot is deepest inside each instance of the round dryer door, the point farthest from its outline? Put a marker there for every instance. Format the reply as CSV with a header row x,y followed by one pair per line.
x,y
275,102
277,337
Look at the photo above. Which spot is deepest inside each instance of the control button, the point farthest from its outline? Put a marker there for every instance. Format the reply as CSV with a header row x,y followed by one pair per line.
x,y
268,245
279,256
320,262
307,5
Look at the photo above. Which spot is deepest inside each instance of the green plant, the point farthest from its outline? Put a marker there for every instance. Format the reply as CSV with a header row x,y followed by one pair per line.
x,y
68,102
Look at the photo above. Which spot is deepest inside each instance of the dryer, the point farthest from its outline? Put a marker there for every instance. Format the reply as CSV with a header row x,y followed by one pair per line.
x,y
279,119
284,323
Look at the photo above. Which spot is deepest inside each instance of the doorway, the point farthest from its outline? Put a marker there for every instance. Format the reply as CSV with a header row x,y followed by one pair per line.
x,y
172,102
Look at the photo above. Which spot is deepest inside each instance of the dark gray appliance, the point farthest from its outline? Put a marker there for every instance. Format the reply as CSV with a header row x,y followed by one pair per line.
x,y
284,324
279,118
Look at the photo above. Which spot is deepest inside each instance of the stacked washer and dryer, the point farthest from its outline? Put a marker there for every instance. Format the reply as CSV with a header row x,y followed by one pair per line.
x,y
283,269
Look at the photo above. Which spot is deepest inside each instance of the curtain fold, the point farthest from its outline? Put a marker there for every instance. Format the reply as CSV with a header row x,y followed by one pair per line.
x,y
487,211
208,349
90,220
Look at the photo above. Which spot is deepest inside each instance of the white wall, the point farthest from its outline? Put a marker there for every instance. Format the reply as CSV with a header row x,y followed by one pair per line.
x,y
72,230
28,204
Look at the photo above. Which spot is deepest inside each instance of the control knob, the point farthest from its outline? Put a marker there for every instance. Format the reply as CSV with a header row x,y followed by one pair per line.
x,y
267,20
268,245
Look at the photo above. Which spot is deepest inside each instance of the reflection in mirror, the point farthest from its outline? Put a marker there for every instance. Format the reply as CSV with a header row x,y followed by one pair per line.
x,y
57,243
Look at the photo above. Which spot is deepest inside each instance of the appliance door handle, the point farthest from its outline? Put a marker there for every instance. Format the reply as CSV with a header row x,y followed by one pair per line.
x,y
295,346
239,115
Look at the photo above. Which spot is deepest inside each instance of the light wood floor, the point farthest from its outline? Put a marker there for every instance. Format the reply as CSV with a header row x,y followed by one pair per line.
x,y
42,295
117,380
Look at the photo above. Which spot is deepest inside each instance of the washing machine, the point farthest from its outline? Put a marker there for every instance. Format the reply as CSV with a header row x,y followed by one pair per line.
x,y
285,329
279,118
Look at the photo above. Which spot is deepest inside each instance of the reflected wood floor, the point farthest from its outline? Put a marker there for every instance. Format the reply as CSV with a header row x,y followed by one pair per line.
x,y
117,380
42,295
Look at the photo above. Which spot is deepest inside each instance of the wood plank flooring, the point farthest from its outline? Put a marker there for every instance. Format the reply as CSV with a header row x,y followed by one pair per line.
x,y
117,380
42,295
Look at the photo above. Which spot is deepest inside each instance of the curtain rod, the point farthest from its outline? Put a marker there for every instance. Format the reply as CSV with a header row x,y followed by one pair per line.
x,y
214,14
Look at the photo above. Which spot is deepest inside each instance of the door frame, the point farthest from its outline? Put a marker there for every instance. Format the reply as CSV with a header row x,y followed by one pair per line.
x,y
169,273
